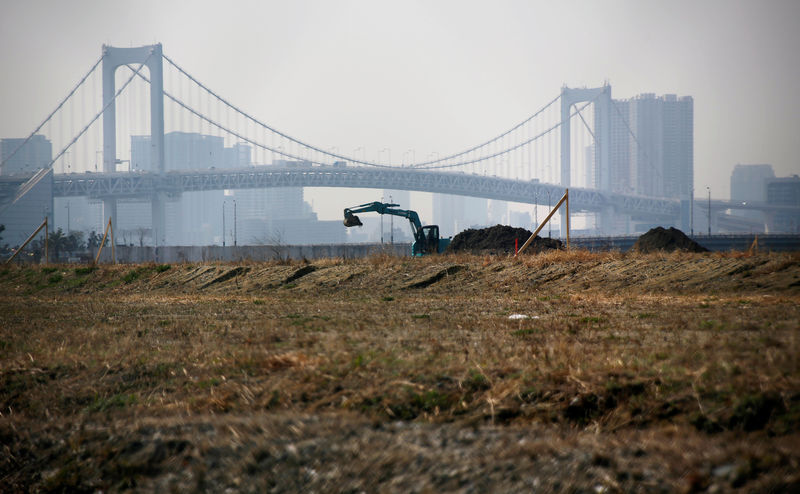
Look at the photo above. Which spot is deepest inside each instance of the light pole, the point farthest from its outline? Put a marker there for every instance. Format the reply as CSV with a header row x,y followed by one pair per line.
x,y
390,158
549,225
382,224
391,226
223,224
67,208
691,213
413,156
356,150
709,210
234,224
536,208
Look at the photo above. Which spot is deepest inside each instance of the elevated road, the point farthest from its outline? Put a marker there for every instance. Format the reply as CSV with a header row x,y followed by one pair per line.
x,y
100,185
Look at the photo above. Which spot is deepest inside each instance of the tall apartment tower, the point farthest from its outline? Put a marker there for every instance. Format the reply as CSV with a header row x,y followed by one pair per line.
x,y
659,160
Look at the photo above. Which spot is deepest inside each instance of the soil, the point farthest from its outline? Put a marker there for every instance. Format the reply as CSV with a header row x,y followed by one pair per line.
x,y
661,239
499,239
663,372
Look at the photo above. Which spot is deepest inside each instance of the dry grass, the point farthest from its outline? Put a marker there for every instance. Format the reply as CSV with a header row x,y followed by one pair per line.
x,y
613,342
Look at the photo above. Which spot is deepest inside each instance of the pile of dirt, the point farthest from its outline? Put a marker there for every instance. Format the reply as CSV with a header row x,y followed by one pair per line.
x,y
499,238
660,239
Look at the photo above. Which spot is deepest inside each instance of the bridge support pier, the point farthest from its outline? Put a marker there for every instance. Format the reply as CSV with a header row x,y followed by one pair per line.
x,y
159,222
607,224
109,211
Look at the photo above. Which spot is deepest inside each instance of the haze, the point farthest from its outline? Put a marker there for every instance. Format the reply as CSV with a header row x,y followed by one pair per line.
x,y
436,76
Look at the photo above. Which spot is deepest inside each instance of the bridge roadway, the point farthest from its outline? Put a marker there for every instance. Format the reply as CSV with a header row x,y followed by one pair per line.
x,y
134,184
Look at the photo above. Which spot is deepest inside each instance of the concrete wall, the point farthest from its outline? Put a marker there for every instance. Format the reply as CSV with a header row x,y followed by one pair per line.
x,y
128,254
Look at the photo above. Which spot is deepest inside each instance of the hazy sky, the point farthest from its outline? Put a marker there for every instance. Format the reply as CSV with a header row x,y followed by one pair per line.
x,y
436,75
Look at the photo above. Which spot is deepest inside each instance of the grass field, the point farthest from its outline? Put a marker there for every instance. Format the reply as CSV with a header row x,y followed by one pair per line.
x,y
566,371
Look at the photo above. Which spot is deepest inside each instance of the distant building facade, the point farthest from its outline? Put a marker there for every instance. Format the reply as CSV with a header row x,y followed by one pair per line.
x,y
749,184
659,160
194,218
35,154
22,214
784,191
455,213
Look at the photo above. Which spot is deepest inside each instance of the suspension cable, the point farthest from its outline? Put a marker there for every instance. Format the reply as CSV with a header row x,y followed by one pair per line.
x,y
297,157
508,150
101,111
228,130
53,113
490,141
339,156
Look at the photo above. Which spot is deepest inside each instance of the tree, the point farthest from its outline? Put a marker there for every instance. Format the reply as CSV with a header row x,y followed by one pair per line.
x,y
93,241
74,242
142,233
57,242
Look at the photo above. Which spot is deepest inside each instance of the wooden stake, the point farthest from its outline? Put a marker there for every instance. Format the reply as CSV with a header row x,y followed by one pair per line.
x,y
566,194
103,242
43,225
530,239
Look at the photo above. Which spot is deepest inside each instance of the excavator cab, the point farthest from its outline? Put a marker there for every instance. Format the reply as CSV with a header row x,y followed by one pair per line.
x,y
428,241
431,234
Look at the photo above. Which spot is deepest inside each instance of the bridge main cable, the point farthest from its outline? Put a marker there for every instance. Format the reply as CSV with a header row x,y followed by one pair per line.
x,y
289,155
61,104
351,159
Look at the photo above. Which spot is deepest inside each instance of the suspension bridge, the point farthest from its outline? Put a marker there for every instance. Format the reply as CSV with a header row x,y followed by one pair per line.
x,y
532,162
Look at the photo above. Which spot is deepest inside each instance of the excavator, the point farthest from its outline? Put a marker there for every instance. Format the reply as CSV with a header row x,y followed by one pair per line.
x,y
426,238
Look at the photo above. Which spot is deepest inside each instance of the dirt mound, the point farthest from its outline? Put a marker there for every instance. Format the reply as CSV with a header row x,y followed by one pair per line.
x,y
666,240
499,238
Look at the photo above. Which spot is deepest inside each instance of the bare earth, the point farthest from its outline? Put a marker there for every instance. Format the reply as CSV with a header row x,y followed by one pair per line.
x,y
563,371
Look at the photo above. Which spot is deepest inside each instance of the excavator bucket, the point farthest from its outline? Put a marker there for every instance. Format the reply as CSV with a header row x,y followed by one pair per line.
x,y
352,220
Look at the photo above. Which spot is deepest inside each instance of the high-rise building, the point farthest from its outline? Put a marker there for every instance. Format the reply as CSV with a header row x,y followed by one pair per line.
x,y
35,154
784,191
659,160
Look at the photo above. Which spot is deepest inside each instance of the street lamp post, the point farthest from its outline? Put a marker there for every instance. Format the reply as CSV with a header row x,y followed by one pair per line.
x,y
68,228
390,156
709,210
223,224
391,226
235,236
691,213
549,225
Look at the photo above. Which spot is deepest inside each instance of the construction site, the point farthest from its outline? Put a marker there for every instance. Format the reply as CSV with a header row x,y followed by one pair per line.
x,y
496,360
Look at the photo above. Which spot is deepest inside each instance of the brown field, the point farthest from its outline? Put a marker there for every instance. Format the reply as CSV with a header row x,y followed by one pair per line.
x,y
660,372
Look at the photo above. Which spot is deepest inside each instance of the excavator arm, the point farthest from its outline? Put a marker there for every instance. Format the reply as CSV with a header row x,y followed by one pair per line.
x,y
426,239
350,218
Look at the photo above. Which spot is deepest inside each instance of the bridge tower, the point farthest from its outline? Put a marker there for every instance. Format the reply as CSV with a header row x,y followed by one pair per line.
x,y
113,58
601,96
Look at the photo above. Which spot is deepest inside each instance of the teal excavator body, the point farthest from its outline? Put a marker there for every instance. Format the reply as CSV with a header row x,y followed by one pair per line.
x,y
426,238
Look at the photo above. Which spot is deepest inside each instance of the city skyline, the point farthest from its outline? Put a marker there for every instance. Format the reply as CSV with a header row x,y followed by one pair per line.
x,y
433,79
